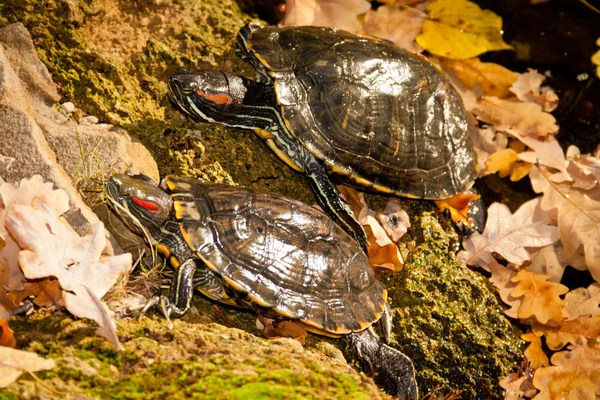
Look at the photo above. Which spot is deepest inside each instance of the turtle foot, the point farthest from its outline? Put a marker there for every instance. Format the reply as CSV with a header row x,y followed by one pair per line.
x,y
392,371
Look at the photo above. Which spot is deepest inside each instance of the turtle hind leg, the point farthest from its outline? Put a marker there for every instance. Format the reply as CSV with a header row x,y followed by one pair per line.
x,y
392,371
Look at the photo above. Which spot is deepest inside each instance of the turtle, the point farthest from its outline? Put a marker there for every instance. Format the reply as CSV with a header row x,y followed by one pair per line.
x,y
266,253
329,102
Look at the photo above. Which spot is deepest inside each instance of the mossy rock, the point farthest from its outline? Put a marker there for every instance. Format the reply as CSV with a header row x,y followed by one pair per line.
x,y
112,59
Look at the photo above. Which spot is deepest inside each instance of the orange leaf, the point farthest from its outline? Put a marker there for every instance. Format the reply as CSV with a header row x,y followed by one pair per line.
x,y
383,256
493,79
458,207
569,331
7,338
534,353
541,299
288,329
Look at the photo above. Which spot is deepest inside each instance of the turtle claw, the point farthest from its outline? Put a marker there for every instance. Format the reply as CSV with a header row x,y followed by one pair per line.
x,y
165,307
151,303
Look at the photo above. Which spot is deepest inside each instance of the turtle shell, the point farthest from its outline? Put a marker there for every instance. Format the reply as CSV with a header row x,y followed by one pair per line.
x,y
373,112
279,255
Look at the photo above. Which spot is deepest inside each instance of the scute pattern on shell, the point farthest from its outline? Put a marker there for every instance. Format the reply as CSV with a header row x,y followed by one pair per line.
x,y
373,112
281,253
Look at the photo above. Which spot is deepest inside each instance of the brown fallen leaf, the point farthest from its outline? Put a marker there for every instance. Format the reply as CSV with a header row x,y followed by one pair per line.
x,y
501,279
582,301
275,329
398,24
552,260
518,388
489,79
515,117
567,332
508,235
382,251
584,169
14,362
573,375
342,14
394,220
540,298
534,353
52,248
458,207
528,87
7,337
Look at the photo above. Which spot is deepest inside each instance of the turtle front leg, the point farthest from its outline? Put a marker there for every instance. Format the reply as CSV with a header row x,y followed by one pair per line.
x,y
328,197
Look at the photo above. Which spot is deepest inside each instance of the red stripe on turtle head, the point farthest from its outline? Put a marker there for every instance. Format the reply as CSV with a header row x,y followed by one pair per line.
x,y
148,205
219,98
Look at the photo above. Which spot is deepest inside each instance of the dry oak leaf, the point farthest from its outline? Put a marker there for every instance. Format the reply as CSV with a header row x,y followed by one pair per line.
x,y
7,337
398,24
584,169
546,152
515,117
528,87
540,298
484,78
575,374
567,332
342,14
506,162
23,194
458,206
501,279
578,216
487,141
518,388
534,353
582,301
14,362
460,29
508,235
52,248
552,260
382,251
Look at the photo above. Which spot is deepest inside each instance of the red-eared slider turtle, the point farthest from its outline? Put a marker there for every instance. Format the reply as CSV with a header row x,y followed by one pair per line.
x,y
325,100
264,252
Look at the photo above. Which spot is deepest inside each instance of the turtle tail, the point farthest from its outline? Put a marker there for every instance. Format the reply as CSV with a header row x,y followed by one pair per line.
x,y
392,371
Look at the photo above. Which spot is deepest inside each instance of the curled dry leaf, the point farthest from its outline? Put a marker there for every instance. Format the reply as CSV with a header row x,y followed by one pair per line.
x,y
382,251
534,353
487,141
528,87
341,14
484,78
459,29
458,206
518,388
7,337
52,248
574,374
394,220
578,216
273,329
14,362
540,298
584,169
508,235
515,117
398,24
582,301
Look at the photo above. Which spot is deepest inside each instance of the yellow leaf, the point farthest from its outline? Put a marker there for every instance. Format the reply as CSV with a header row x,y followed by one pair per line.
x,y
506,162
493,79
567,332
458,207
459,29
596,59
534,353
541,299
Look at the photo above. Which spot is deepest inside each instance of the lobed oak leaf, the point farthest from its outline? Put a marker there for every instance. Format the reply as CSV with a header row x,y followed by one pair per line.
x,y
488,78
458,206
574,374
515,117
534,353
506,163
584,169
508,235
382,251
331,13
546,152
540,298
528,87
567,332
578,216
501,279
52,248
487,141
398,24
552,260
582,301
518,388
460,29
14,362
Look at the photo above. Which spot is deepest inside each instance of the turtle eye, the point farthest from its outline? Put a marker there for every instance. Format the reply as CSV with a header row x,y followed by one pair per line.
x,y
147,205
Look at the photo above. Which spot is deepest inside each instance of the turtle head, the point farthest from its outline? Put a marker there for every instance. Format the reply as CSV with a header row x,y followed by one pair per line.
x,y
213,96
143,206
